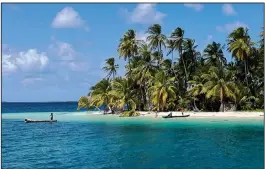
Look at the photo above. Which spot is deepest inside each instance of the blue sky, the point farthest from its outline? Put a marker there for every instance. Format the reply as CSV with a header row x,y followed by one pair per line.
x,y
55,52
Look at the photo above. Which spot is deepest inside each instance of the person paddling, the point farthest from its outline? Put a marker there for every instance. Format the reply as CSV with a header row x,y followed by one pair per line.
x,y
51,116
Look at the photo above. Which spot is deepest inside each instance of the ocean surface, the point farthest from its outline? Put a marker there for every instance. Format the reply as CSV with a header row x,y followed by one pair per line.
x,y
82,139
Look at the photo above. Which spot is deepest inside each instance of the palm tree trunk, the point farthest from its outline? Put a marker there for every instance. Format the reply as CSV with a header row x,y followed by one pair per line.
x,y
196,108
172,63
130,66
185,70
246,71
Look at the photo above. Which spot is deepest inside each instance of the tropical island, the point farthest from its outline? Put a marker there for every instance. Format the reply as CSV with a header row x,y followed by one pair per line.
x,y
190,80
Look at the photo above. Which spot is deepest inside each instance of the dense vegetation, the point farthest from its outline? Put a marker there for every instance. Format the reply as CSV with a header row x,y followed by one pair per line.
x,y
189,79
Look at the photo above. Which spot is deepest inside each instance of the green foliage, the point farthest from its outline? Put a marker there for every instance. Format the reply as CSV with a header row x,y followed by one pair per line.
x,y
83,103
130,114
189,79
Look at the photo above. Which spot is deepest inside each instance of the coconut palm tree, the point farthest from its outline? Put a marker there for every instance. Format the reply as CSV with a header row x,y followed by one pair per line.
x,y
196,89
128,46
171,47
218,85
123,93
191,55
178,37
213,55
162,90
240,45
83,102
111,67
101,93
156,39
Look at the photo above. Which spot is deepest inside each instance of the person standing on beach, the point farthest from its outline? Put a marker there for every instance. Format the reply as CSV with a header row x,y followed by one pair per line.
x,y
182,111
51,116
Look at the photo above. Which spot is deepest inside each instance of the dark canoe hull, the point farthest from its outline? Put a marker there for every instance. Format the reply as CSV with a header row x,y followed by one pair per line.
x,y
40,121
175,116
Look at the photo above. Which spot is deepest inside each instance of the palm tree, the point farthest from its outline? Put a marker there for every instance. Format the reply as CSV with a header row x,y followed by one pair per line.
x,y
122,93
178,37
191,55
214,55
196,89
162,90
111,67
128,46
218,85
240,46
156,39
83,102
171,47
101,93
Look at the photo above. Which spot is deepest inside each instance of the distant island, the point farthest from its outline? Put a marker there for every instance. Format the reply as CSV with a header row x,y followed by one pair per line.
x,y
165,74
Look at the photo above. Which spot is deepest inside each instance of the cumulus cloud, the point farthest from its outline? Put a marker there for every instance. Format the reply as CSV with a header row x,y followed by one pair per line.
x,y
144,14
68,18
30,60
64,50
68,56
228,9
231,26
196,7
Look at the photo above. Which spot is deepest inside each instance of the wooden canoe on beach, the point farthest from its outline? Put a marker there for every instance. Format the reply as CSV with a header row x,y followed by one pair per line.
x,y
175,116
39,121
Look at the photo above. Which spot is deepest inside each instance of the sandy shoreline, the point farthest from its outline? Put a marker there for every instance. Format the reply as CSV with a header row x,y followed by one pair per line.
x,y
206,114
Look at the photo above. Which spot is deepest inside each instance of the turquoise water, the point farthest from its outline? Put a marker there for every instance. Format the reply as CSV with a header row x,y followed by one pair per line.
x,y
85,140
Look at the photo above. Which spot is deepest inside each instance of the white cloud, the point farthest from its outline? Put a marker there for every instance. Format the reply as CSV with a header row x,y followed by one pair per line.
x,y
68,18
196,7
144,14
64,50
68,56
31,80
30,60
8,65
231,26
228,9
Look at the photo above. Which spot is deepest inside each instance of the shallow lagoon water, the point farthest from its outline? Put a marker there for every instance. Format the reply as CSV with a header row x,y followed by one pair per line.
x,y
88,140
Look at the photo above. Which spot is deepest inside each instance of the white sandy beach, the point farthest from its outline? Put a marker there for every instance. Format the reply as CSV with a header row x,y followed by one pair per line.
x,y
207,114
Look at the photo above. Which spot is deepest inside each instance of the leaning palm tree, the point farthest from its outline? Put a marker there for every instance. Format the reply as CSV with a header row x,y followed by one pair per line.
x,y
122,93
111,67
162,90
83,102
156,39
218,85
101,93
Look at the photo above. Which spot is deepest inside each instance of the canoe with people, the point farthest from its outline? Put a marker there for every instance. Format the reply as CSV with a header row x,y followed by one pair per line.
x,y
171,116
40,121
